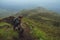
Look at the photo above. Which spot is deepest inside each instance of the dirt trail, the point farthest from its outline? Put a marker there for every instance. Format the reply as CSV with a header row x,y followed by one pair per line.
x,y
26,33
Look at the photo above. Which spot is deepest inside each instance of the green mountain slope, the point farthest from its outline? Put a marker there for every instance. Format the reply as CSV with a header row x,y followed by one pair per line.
x,y
42,31
7,33
41,23
42,15
39,12
38,30
44,24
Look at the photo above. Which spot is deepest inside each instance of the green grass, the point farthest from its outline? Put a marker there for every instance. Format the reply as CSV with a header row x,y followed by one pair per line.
x,y
43,31
36,32
4,23
7,33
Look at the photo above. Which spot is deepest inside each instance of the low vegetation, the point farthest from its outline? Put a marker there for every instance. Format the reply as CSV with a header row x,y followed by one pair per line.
x,y
42,24
6,32
43,31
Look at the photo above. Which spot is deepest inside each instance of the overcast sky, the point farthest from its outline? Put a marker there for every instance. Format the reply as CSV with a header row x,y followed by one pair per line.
x,y
30,3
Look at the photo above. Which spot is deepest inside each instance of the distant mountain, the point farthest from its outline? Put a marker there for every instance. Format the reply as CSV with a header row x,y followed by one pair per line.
x,y
40,13
6,13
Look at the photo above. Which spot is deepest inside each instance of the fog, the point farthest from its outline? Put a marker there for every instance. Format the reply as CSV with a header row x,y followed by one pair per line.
x,y
23,4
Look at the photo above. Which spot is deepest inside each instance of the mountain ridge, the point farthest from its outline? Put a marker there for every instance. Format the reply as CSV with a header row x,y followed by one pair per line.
x,y
39,11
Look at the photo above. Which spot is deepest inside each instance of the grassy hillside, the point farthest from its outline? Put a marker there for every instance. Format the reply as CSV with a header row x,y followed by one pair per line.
x,y
44,23
39,24
42,15
42,31
37,13
39,31
7,33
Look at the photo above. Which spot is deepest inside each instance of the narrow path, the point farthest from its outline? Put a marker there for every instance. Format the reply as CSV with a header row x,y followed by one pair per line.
x,y
26,33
